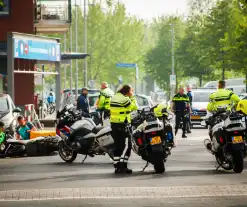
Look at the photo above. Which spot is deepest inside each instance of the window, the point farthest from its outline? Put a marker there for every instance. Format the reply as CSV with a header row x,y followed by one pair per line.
x,y
4,105
4,7
141,101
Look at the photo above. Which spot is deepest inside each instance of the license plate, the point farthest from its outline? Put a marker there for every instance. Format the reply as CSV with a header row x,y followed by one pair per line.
x,y
195,117
237,139
155,140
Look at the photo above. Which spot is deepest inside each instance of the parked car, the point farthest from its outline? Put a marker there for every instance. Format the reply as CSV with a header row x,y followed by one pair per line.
x,y
144,101
8,113
90,91
240,89
243,96
199,104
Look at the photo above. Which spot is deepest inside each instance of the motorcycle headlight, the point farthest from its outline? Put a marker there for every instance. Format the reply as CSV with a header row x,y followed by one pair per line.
x,y
2,147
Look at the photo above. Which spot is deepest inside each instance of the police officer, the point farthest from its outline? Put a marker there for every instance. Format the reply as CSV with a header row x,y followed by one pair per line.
x,y
222,97
161,112
181,108
104,99
121,105
83,103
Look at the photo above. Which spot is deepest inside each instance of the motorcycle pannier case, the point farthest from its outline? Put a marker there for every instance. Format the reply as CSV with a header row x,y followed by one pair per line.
x,y
104,137
43,133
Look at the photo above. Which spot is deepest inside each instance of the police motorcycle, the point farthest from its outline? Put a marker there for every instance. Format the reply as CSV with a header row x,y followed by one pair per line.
x,y
227,130
148,139
80,135
8,146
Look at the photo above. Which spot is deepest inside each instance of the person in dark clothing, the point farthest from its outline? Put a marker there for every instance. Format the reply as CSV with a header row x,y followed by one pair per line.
x,y
181,107
190,95
83,103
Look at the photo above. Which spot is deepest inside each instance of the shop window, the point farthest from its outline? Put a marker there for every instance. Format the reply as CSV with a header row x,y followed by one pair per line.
x,y
4,7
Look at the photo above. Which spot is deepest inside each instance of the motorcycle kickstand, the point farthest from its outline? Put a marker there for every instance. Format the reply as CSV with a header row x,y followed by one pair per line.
x,y
217,168
145,166
84,159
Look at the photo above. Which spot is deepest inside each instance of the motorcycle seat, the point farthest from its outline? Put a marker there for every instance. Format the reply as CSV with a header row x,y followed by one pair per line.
x,y
96,129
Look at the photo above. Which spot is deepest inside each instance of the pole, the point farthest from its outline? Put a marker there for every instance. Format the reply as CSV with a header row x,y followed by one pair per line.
x,y
136,78
43,78
223,65
65,40
173,61
71,65
76,49
85,44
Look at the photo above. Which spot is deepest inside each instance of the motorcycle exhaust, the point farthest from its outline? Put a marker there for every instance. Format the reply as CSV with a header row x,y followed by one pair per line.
x,y
208,145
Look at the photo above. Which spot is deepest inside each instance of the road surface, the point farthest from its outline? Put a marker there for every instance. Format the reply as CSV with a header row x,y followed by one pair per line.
x,y
190,180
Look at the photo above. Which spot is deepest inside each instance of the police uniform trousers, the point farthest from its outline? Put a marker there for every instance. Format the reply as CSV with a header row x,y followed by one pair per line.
x,y
122,141
180,115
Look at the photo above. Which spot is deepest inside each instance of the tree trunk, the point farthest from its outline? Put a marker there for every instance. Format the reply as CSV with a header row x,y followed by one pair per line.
x,y
246,82
200,79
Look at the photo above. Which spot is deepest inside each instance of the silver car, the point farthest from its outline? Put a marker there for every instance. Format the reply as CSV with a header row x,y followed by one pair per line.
x,y
8,113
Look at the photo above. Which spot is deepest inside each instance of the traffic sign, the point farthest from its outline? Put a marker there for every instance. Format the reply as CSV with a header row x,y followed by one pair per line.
x,y
126,65
172,80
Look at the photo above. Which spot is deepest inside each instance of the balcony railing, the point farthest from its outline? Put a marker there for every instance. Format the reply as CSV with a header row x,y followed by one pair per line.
x,y
58,10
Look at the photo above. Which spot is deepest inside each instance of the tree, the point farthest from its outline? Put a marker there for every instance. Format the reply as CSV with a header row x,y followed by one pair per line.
x,y
158,59
112,37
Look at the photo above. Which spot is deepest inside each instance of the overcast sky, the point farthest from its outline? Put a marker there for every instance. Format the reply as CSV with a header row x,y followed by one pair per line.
x,y
148,9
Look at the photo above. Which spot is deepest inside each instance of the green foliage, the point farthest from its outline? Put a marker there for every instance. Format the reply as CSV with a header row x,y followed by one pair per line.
x,y
112,37
211,43
158,60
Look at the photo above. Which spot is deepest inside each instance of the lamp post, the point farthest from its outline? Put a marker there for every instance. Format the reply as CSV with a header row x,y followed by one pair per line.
x,y
173,59
85,43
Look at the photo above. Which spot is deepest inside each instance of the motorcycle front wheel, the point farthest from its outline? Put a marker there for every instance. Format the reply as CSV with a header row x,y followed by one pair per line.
x,y
238,161
65,153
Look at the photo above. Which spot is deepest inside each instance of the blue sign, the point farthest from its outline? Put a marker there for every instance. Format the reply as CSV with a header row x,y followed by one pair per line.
x,y
36,50
126,65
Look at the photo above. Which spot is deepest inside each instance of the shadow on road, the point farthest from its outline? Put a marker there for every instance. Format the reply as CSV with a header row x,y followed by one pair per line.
x,y
152,175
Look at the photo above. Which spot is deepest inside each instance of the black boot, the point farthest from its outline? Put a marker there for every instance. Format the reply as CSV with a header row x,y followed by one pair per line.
x,y
183,135
176,131
117,168
126,169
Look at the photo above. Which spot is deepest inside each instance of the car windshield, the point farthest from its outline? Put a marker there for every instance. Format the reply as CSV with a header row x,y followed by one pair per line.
x,y
4,106
201,96
141,101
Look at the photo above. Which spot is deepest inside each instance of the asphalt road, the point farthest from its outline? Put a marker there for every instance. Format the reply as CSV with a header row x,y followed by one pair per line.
x,y
190,180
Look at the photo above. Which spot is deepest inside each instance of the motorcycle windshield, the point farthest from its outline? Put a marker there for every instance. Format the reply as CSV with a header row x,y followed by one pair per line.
x,y
66,100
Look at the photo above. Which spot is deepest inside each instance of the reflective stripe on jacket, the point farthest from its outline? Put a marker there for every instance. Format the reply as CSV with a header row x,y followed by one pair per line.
x,y
105,98
222,97
120,108
181,102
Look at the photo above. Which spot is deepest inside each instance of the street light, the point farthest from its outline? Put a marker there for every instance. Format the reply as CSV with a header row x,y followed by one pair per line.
x,y
173,59
85,43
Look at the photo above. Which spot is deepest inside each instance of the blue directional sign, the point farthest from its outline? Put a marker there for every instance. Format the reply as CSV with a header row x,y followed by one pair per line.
x,y
36,50
126,65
